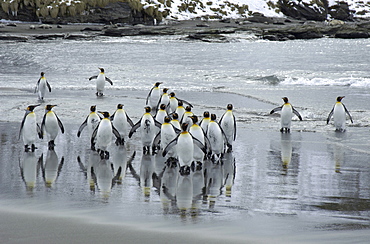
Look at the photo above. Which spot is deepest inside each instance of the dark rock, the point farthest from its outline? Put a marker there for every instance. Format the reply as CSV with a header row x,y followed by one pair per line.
x,y
304,10
91,29
351,31
215,38
260,19
124,31
13,38
340,11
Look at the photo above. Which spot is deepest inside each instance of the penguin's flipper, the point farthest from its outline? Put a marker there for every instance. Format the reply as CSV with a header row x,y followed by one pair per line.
x,y
112,116
116,133
37,85
234,127
147,98
329,116
93,77
156,140
200,145
224,135
296,113
109,80
207,142
276,110
159,125
22,124
48,85
186,102
82,126
350,117
39,131
129,120
60,124
177,131
134,128
169,146
93,135
43,123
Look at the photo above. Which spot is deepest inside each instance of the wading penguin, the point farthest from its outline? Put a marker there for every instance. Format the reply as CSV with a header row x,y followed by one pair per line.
x,y
339,112
153,96
287,111
30,129
228,125
148,129
50,124
41,85
91,121
121,121
103,135
184,146
100,82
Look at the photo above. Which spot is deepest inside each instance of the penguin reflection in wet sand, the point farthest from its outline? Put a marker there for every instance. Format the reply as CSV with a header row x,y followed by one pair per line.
x,y
287,111
228,124
339,112
147,124
30,129
100,82
50,124
41,86
103,134
91,121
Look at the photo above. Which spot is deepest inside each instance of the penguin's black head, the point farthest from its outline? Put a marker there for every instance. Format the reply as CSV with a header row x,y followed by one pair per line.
x,y
185,170
165,90
32,107
229,106
120,106
167,119
93,108
206,114
339,99
194,118
175,116
179,103
49,107
101,70
213,116
157,84
42,73
147,109
172,94
188,108
285,99
105,114
162,106
184,126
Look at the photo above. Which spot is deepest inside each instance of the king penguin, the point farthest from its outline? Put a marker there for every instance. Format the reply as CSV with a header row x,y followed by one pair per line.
x,y
217,138
186,116
50,124
167,134
148,129
339,112
103,134
174,101
197,132
287,111
153,96
184,146
161,113
100,82
121,121
164,99
91,121
205,121
228,125
41,85
30,129
175,121
180,110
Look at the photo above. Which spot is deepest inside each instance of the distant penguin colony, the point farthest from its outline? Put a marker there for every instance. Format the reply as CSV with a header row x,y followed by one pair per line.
x,y
166,127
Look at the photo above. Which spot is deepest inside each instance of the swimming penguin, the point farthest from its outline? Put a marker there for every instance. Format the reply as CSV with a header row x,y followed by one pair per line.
x,y
217,138
339,112
41,85
161,113
148,129
197,132
287,111
174,101
121,121
103,135
50,124
228,125
154,96
175,121
91,121
30,129
184,146
100,82
205,121
167,134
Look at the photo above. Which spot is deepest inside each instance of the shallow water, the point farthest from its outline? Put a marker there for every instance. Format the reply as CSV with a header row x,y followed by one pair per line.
x,y
310,185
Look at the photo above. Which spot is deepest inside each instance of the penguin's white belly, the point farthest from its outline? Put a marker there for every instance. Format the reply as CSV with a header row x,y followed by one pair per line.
x,y
29,131
100,83
147,131
154,98
215,138
167,135
339,116
185,149
227,124
51,126
197,133
104,135
42,88
286,116
120,123
92,123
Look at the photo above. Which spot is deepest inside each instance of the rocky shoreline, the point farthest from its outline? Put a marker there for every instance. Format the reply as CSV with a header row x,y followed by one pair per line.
x,y
273,29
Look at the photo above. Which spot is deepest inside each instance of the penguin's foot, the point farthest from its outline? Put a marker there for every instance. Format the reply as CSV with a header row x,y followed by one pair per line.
x,y
26,148
120,141
286,130
33,147
146,149
106,155
229,148
93,147
51,145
